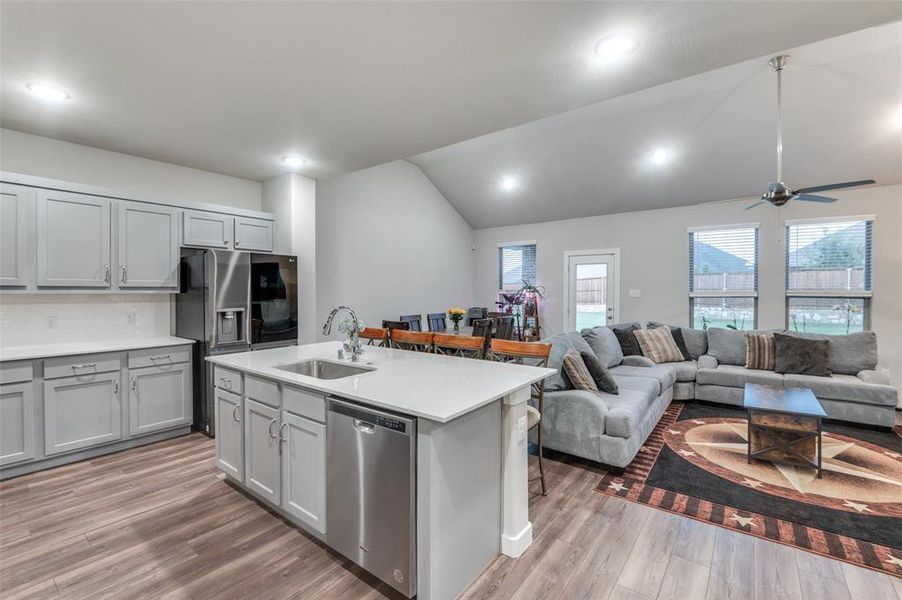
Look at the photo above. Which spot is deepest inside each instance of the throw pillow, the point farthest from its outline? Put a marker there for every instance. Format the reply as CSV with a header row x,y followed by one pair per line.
x,y
605,345
577,372
677,333
627,340
600,374
759,353
800,356
658,345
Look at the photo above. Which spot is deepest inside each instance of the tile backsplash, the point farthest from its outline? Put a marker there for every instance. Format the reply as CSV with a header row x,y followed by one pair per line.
x,y
27,319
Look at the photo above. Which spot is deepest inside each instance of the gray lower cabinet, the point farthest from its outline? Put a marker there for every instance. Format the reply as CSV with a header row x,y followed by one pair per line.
x,y
81,411
229,434
304,470
73,240
210,230
16,423
253,234
16,234
262,467
159,397
148,245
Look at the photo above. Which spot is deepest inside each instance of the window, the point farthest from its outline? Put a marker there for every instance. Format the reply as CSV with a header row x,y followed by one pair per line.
x,y
516,263
723,277
828,275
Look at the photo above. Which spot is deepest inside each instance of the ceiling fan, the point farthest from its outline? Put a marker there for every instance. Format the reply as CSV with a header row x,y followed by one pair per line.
x,y
778,193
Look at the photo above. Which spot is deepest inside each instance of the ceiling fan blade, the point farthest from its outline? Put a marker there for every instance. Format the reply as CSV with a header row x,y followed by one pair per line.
x,y
813,198
835,186
756,204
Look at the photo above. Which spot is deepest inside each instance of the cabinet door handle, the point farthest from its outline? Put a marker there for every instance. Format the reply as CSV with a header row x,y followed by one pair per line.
x,y
123,277
134,383
235,416
107,276
282,438
271,434
115,386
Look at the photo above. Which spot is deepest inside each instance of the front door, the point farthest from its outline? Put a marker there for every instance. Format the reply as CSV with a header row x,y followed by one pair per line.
x,y
590,286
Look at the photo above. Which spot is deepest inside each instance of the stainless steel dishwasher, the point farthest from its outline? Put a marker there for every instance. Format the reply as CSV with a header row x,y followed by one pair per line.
x,y
371,491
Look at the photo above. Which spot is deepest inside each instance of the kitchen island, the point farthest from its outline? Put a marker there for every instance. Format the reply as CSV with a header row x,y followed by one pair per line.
x,y
470,475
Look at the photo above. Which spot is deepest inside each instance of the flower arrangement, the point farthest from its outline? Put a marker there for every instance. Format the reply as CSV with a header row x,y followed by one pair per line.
x,y
456,315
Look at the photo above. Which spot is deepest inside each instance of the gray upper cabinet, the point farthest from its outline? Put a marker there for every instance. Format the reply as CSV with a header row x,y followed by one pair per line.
x,y
81,411
210,230
253,234
148,246
16,234
16,423
159,397
73,236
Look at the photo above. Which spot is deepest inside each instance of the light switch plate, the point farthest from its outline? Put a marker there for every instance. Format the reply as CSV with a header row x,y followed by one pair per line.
x,y
635,293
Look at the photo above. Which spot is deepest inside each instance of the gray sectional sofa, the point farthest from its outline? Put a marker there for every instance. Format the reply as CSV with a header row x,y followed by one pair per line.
x,y
611,428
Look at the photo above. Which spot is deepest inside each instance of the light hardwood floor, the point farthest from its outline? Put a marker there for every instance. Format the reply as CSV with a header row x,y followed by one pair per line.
x,y
159,522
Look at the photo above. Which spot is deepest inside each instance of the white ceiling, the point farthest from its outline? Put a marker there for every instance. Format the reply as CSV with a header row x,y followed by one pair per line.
x,y
841,97
232,87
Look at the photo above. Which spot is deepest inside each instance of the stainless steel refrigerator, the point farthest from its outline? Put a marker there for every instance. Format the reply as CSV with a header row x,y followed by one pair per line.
x,y
233,302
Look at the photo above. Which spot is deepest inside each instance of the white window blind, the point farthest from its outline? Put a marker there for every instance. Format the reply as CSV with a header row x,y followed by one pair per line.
x,y
516,263
723,262
831,258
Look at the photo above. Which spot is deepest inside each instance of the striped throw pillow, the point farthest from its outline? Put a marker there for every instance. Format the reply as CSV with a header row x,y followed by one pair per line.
x,y
577,372
658,345
760,352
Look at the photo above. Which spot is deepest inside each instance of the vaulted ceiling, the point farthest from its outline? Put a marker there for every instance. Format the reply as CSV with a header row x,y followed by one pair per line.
x,y
842,101
232,87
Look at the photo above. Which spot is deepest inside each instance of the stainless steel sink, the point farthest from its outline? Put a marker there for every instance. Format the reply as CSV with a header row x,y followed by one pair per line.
x,y
325,369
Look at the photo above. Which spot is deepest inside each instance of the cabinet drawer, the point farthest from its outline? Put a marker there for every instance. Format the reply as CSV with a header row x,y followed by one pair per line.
x,y
262,390
16,372
84,364
228,380
306,404
157,357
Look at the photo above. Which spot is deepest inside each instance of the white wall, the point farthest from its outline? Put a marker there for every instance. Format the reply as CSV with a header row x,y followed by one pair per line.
x,y
292,200
25,318
654,259
388,243
46,157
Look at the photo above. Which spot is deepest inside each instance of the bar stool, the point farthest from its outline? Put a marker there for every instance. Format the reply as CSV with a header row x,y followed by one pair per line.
x,y
374,336
533,354
418,341
465,346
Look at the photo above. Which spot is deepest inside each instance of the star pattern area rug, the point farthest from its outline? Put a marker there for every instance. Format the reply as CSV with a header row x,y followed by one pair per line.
x,y
694,463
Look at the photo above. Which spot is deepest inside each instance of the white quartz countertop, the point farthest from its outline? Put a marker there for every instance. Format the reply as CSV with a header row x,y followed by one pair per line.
x,y
31,352
431,386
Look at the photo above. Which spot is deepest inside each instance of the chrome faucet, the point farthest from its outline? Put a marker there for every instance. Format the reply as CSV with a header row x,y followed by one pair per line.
x,y
356,349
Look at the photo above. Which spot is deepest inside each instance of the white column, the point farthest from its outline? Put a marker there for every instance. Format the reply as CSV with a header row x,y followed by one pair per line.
x,y
516,530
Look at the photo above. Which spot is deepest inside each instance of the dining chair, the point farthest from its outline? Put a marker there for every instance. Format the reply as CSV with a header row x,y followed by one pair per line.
x,y
475,312
374,336
391,325
482,328
418,341
466,346
534,354
436,321
505,328
415,322
495,315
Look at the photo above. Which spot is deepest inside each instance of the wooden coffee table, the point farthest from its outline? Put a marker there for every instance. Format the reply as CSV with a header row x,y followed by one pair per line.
x,y
784,425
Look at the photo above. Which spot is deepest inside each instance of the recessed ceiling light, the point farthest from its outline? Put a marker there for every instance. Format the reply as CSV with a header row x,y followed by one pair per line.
x,y
660,156
294,161
45,91
509,184
614,46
